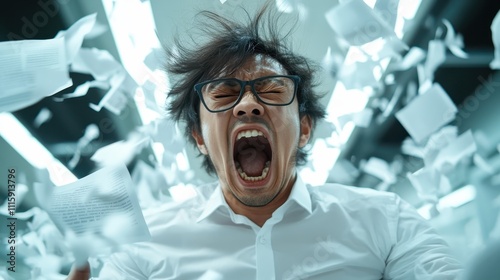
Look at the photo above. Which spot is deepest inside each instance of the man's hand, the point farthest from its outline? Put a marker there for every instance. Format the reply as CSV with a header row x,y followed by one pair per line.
x,y
82,273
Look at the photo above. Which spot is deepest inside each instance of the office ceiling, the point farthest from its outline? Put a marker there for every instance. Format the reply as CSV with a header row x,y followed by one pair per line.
x,y
459,77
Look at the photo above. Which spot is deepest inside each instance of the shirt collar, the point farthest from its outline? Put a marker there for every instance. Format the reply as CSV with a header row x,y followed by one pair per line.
x,y
299,194
215,201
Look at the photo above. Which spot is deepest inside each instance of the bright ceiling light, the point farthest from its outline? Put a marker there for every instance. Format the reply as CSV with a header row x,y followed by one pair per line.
x,y
408,8
406,11
133,28
32,150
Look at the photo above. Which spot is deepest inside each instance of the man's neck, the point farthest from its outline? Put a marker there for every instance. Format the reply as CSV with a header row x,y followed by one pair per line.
x,y
260,214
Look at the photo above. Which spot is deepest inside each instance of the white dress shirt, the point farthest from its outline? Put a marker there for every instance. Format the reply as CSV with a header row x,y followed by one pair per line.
x,y
327,232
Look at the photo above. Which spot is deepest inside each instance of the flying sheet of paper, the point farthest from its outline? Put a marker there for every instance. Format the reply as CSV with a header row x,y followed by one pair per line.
x,y
358,75
378,49
436,55
74,36
82,90
393,102
414,56
182,192
483,142
495,37
87,205
480,162
392,47
31,70
91,133
360,119
461,147
409,147
424,83
42,117
437,141
149,182
44,250
344,172
454,42
147,95
426,182
44,241
169,134
427,113
380,169
363,118
380,103
119,152
114,100
155,59
411,92
357,23
388,11
323,156
45,267
99,63
332,62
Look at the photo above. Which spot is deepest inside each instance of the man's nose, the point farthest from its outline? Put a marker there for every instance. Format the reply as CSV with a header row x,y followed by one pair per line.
x,y
249,105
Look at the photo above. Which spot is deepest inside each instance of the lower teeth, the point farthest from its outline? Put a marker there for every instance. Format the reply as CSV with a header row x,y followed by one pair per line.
x,y
245,177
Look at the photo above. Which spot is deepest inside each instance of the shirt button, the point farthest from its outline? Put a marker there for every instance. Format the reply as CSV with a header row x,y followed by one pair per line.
x,y
263,240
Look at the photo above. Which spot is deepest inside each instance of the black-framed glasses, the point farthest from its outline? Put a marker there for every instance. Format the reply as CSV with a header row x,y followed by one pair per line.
x,y
223,94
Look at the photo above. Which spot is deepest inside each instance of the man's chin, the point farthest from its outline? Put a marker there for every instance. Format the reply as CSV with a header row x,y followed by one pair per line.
x,y
256,200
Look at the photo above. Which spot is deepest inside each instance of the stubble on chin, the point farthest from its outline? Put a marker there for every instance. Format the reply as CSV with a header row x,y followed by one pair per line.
x,y
255,200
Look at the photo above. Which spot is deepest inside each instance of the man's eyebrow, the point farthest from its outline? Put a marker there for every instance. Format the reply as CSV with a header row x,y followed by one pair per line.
x,y
270,78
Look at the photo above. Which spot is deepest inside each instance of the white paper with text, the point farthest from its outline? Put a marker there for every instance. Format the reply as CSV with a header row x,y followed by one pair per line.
x,y
103,203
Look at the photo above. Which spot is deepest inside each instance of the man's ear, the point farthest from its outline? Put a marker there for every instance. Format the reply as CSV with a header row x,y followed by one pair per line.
x,y
199,141
305,130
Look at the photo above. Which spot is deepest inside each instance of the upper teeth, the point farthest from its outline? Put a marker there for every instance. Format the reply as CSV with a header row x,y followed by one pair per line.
x,y
249,133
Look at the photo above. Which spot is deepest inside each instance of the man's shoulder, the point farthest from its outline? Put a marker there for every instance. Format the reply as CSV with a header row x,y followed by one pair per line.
x,y
345,194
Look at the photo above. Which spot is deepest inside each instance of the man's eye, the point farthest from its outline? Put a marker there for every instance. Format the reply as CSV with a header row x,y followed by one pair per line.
x,y
270,91
224,95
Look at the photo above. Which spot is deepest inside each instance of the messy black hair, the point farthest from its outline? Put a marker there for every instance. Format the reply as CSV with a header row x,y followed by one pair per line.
x,y
228,45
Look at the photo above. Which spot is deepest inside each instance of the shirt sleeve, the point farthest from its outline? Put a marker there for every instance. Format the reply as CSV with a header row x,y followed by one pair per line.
x,y
418,252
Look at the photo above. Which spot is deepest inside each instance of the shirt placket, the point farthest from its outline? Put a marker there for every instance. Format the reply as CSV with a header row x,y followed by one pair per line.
x,y
264,253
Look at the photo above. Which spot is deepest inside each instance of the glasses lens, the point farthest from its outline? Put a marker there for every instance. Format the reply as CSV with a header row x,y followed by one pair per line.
x,y
275,90
222,94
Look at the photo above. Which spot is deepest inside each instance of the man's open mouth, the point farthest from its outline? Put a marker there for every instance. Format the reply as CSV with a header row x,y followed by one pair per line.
x,y
252,155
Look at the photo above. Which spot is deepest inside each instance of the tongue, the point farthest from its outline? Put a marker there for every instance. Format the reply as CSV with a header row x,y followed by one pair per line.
x,y
252,161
